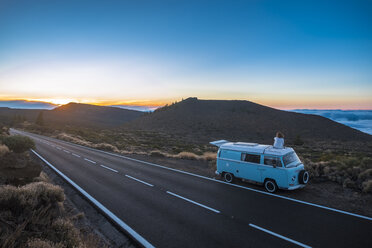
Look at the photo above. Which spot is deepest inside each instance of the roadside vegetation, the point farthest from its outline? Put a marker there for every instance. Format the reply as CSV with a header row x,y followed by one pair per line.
x,y
349,169
349,165
32,212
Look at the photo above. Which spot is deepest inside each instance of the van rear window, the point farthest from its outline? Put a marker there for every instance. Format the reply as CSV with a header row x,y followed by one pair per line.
x,y
251,158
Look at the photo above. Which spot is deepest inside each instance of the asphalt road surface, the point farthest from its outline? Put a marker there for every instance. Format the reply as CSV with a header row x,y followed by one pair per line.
x,y
168,208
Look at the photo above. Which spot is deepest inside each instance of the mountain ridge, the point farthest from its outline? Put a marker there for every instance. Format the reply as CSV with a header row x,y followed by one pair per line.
x,y
238,119
76,114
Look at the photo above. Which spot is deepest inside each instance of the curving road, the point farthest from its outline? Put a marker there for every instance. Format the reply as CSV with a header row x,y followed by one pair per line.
x,y
169,208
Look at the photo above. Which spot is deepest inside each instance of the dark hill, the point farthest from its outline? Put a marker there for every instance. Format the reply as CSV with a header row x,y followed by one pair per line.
x,y
90,115
9,115
75,114
241,120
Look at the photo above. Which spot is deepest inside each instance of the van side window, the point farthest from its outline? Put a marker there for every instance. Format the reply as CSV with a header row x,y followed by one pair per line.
x,y
251,158
273,161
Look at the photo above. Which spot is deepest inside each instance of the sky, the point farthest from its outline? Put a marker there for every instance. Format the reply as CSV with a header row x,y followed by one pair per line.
x,y
284,54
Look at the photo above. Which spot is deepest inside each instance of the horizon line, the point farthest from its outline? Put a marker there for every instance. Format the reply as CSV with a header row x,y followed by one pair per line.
x,y
162,104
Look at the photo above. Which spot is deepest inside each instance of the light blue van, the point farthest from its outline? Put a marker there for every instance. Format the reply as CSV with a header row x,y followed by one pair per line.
x,y
274,168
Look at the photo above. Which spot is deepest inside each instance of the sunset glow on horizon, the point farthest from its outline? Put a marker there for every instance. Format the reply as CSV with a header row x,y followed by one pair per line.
x,y
286,55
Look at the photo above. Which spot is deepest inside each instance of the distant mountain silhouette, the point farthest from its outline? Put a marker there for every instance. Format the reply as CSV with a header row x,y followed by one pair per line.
x,y
23,104
241,120
76,114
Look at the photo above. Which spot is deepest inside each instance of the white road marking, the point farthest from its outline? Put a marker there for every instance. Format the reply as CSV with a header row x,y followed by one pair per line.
x,y
280,236
59,148
66,151
212,179
73,154
91,161
196,203
148,184
116,219
109,168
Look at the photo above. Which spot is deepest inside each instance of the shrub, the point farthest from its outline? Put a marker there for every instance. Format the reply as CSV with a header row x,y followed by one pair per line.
x,y
366,163
18,143
3,150
367,174
39,243
298,141
64,230
30,197
367,186
28,210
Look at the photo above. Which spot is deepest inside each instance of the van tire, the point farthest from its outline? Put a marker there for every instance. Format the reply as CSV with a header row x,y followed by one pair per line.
x,y
303,177
228,177
270,186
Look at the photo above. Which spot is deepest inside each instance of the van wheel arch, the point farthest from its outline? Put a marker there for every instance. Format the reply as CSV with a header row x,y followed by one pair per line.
x,y
228,177
303,177
270,185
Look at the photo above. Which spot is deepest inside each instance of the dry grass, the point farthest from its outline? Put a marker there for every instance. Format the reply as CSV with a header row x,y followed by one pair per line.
x,y
39,243
186,155
43,177
81,141
27,211
33,216
73,139
207,156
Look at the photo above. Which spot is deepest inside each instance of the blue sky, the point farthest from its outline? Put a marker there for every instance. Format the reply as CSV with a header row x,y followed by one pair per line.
x,y
286,54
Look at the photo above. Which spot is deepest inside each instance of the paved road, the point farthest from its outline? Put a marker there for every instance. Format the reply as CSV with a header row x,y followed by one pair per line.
x,y
173,209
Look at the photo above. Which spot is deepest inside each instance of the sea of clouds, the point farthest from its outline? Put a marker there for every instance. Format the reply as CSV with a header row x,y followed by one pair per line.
x,y
358,119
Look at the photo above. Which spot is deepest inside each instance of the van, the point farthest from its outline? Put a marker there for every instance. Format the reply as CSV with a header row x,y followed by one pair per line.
x,y
274,168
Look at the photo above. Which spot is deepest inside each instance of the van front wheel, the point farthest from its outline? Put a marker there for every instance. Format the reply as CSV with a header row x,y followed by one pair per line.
x,y
270,186
228,177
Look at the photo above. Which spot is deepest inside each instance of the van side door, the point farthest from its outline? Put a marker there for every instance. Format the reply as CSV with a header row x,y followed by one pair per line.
x,y
249,170
272,168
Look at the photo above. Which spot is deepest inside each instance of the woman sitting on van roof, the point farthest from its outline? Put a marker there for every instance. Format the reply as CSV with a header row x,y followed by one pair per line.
x,y
279,140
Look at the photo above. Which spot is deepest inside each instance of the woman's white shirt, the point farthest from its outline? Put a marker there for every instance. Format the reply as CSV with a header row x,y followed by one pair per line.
x,y
278,142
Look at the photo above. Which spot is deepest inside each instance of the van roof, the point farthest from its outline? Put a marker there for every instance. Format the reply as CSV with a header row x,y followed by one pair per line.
x,y
255,148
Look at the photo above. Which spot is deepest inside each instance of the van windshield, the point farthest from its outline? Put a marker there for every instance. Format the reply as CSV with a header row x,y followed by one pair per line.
x,y
291,160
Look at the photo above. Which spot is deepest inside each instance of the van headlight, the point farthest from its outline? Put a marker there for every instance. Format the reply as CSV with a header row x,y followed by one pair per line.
x,y
293,178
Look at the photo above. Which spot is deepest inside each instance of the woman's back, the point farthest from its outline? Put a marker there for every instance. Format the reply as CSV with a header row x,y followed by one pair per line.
x,y
279,141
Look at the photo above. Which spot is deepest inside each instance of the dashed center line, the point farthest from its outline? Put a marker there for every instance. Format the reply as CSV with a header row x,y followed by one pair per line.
x,y
196,203
66,151
148,184
73,154
109,168
91,161
280,236
59,148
